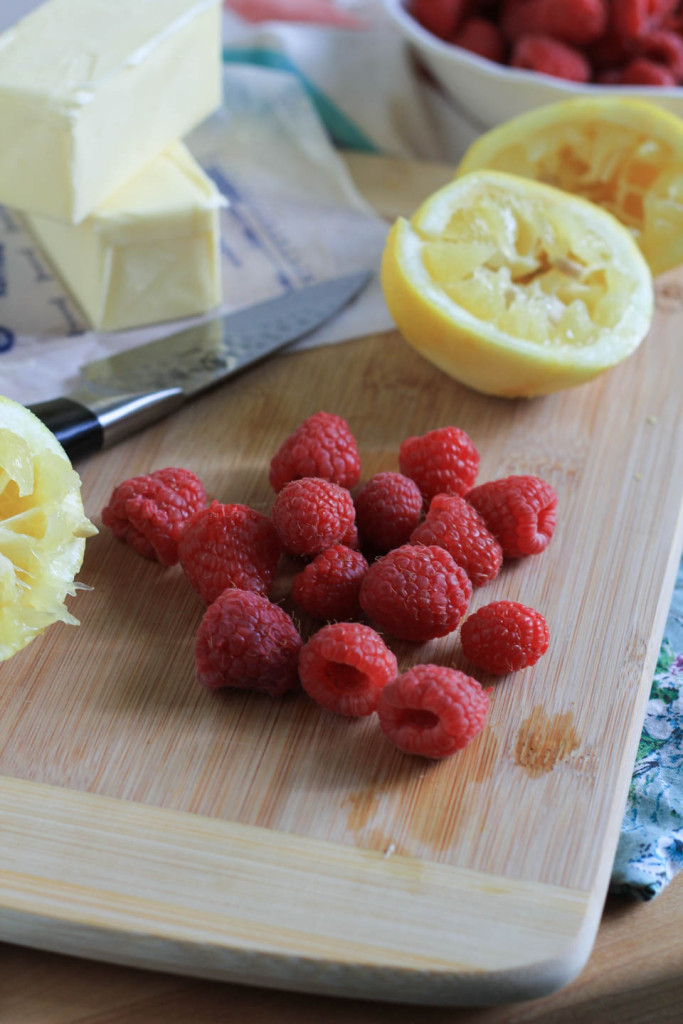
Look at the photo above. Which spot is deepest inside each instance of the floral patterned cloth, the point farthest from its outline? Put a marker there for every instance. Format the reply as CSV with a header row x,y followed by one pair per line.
x,y
650,850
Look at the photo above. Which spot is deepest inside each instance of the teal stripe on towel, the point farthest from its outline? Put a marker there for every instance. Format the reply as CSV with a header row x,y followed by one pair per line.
x,y
343,131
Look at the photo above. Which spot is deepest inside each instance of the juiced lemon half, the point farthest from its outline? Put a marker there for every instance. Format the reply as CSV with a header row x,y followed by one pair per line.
x,y
624,154
43,528
516,288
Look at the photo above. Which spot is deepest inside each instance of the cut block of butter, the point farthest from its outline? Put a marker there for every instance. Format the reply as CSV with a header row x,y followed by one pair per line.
x,y
92,90
149,253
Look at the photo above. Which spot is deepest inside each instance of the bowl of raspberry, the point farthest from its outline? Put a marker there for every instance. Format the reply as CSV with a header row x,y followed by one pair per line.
x,y
495,59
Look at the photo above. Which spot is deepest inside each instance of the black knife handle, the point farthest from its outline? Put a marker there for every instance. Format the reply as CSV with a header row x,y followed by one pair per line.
x,y
75,426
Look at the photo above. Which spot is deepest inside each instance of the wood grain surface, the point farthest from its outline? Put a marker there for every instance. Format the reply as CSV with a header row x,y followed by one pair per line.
x,y
634,976
111,709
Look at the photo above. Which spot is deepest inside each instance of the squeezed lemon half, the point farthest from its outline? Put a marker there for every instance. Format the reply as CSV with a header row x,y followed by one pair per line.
x,y
43,528
516,288
624,154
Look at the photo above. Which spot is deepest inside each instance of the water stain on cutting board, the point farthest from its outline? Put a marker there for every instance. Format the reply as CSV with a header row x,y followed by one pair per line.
x,y
430,807
543,741
362,809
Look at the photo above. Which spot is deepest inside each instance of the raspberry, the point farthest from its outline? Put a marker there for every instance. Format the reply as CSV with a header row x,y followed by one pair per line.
x,y
321,446
520,512
503,637
641,71
443,461
350,538
439,16
674,21
246,642
548,56
634,19
345,666
328,587
481,37
311,515
416,593
229,546
453,524
388,508
609,76
432,710
577,23
610,51
149,512
664,48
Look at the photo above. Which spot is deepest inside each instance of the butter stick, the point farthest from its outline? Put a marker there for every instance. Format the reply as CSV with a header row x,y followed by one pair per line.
x,y
92,90
149,253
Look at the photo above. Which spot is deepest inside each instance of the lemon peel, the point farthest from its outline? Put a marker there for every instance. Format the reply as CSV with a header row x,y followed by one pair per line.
x,y
43,528
516,288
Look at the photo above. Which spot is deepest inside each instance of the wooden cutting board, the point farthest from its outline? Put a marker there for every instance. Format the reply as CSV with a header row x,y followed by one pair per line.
x,y
147,821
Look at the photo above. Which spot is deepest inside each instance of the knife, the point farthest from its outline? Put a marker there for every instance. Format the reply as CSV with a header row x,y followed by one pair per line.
x,y
128,391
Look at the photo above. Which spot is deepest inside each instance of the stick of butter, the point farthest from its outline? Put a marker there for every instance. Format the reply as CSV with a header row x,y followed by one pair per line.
x,y
149,253
92,90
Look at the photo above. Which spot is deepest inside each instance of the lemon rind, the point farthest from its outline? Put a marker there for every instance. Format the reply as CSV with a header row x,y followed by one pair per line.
x,y
460,343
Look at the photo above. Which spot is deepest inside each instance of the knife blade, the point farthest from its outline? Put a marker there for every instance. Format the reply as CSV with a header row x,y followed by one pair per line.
x,y
126,392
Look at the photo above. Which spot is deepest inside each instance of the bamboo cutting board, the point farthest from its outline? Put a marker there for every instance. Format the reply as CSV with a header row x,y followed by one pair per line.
x,y
147,821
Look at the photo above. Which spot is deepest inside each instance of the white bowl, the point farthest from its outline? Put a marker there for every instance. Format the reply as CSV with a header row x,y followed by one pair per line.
x,y
488,94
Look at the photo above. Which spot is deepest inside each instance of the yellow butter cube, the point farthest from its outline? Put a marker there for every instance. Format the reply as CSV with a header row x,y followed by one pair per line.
x,y
149,253
92,90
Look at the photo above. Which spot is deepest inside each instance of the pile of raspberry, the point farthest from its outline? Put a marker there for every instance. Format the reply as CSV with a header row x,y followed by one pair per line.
x,y
396,558
609,42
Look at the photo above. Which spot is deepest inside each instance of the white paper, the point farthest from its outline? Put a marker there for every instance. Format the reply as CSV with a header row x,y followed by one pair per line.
x,y
294,218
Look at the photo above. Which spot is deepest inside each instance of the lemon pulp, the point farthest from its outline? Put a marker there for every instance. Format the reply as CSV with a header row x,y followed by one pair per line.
x,y
623,154
43,528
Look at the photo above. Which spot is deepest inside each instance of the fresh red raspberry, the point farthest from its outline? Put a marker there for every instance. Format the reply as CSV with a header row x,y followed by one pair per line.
x,y
608,76
641,71
229,546
453,524
634,19
503,637
149,512
548,56
442,461
345,666
577,23
416,593
520,512
432,710
351,538
245,641
610,51
481,37
664,48
441,17
323,446
329,586
674,21
312,514
388,508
